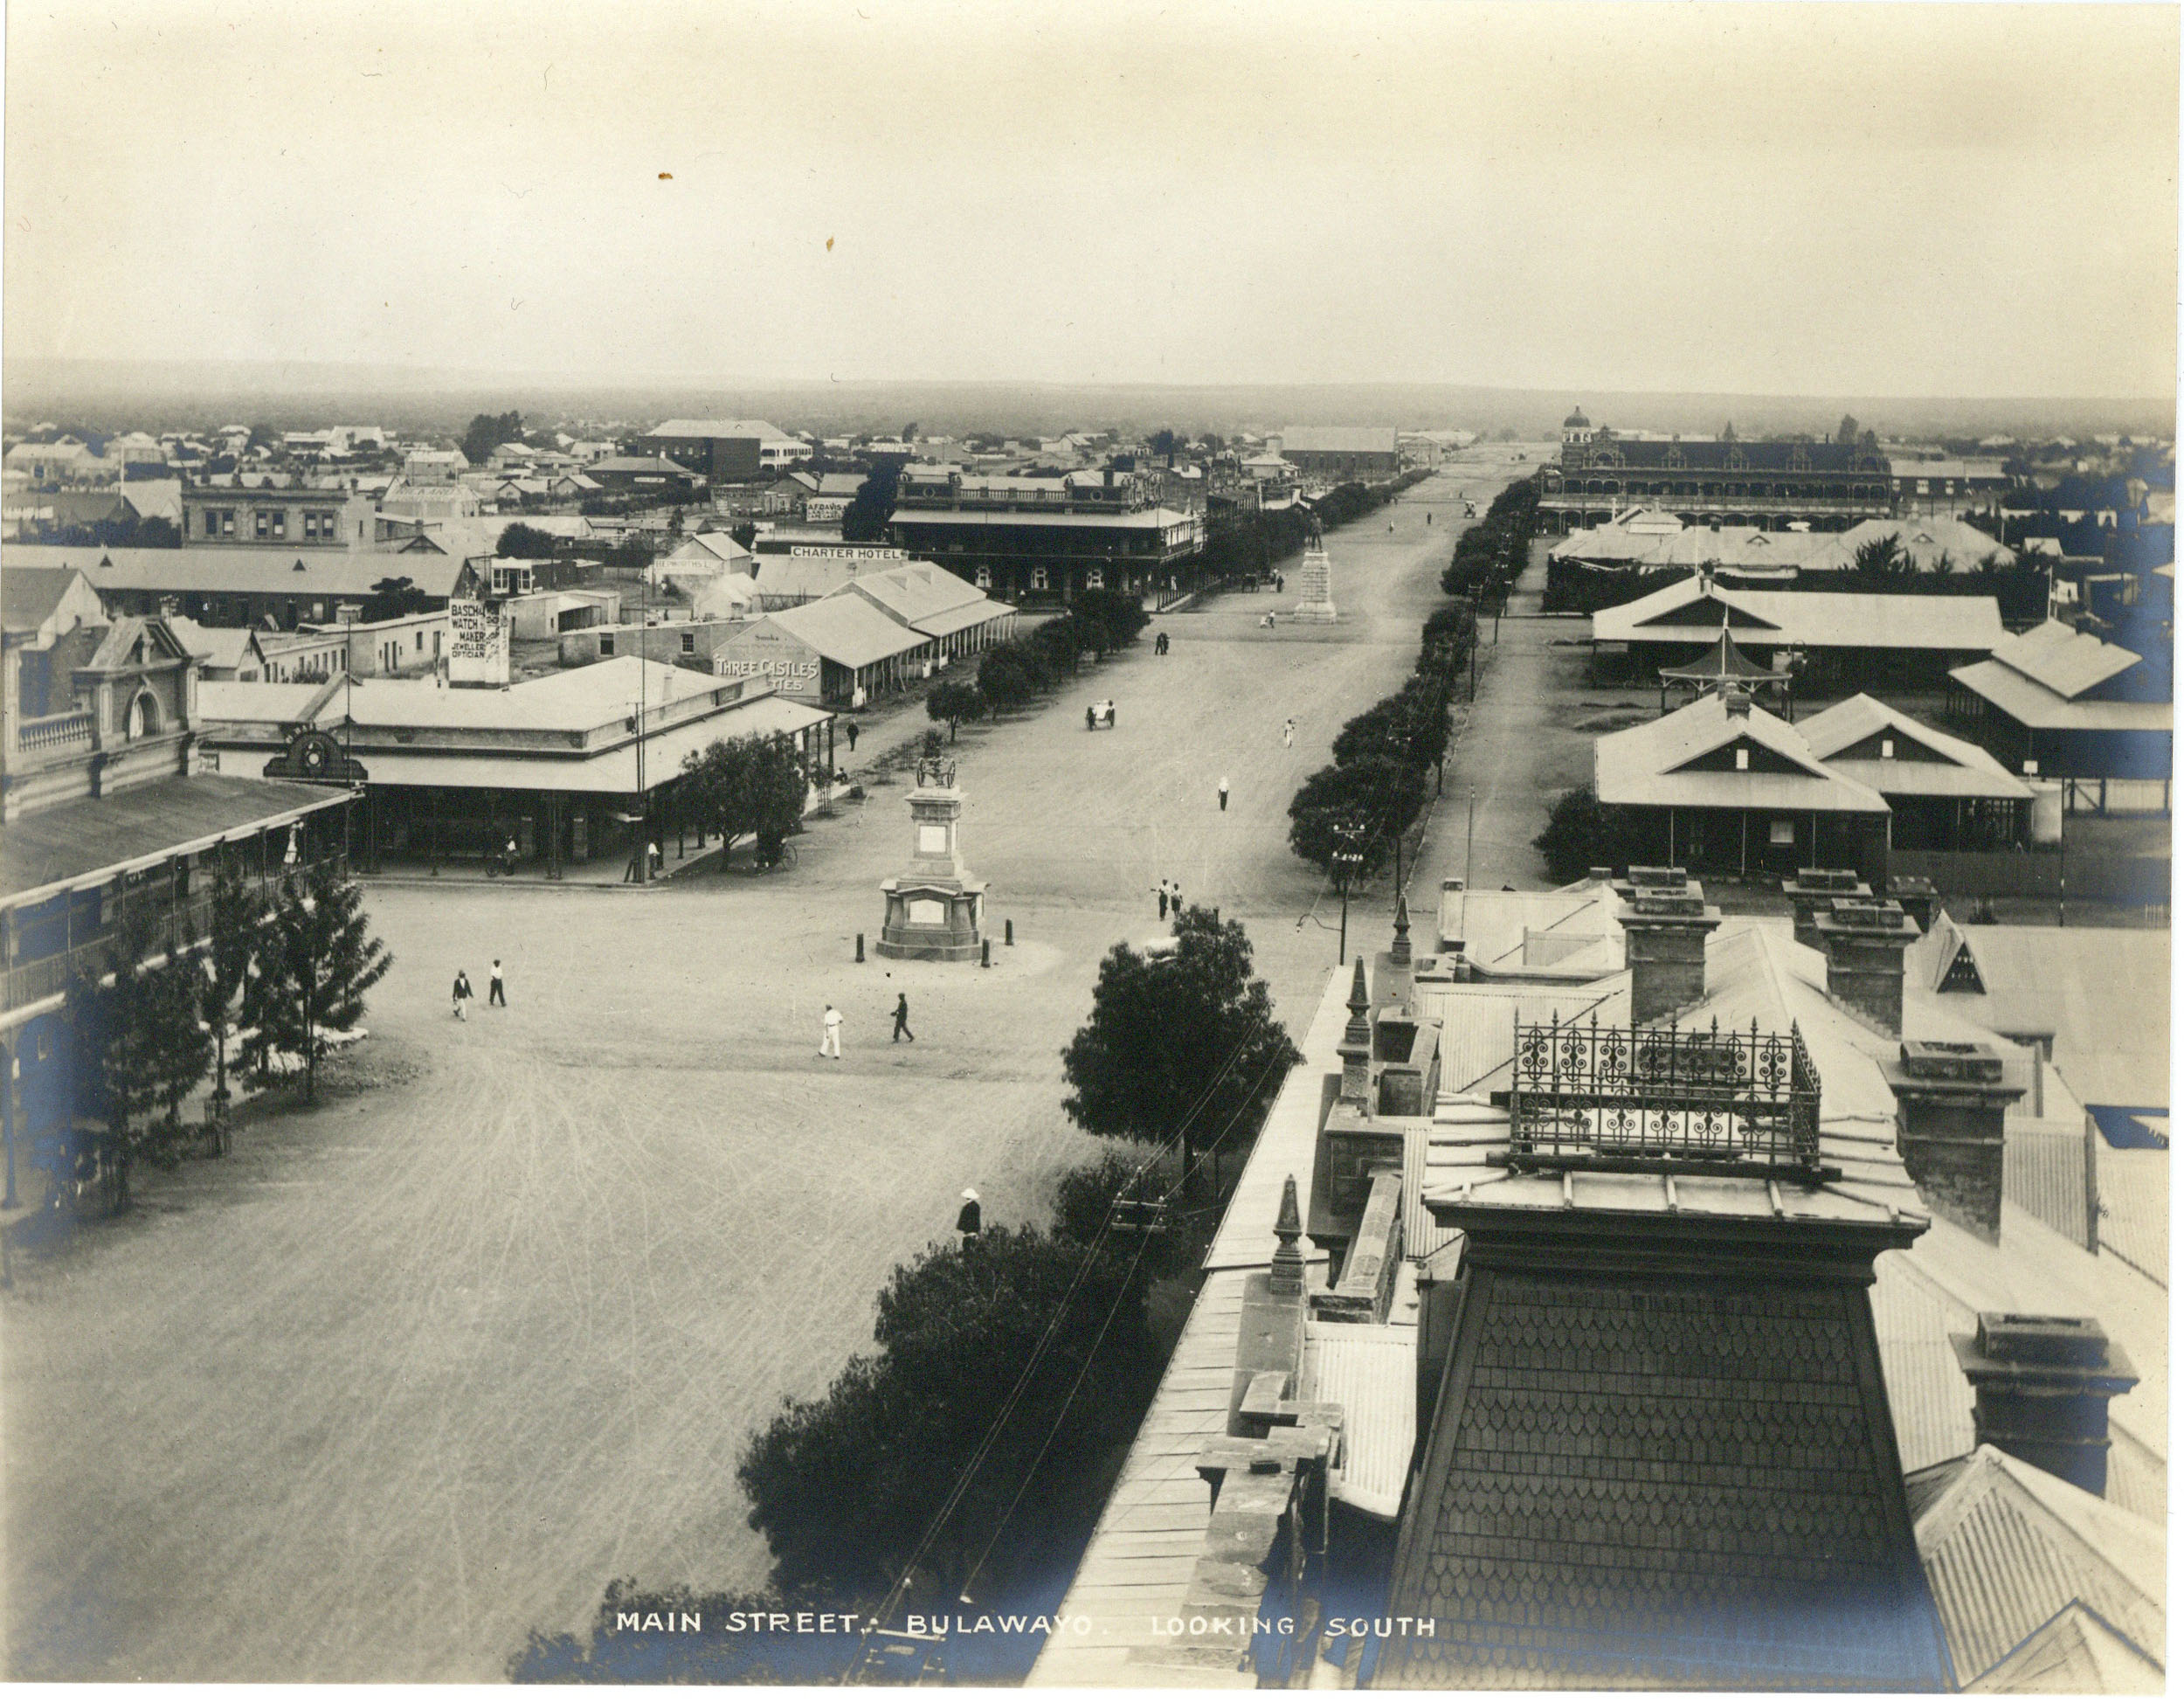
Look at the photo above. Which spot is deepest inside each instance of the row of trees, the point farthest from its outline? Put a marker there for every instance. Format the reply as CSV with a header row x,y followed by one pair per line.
x,y
1012,674
970,1451
272,981
1489,555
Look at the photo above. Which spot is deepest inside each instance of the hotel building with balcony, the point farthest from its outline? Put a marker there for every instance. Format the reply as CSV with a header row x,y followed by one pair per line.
x,y
1768,485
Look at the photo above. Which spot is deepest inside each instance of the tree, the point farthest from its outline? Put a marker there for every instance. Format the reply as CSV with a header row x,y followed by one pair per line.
x,y
1177,1046
1162,443
1847,433
526,544
1108,619
317,961
865,520
156,532
1882,558
139,1047
226,964
754,785
1583,834
1729,431
486,432
954,700
396,596
845,1487
1346,818
1005,682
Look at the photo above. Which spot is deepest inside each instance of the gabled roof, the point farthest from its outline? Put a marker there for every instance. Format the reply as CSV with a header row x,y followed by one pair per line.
x,y
846,629
1926,541
1692,612
214,647
1963,770
133,641
240,570
1653,764
29,596
762,430
2103,994
2031,704
2009,1550
2067,662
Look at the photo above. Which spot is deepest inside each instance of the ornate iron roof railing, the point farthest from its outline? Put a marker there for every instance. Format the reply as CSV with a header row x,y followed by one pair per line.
x,y
1725,1101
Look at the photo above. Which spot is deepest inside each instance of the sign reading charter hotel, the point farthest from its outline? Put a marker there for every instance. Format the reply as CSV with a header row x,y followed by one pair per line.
x,y
478,653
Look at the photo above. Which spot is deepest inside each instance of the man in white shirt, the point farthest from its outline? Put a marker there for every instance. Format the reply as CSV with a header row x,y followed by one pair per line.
x,y
831,1034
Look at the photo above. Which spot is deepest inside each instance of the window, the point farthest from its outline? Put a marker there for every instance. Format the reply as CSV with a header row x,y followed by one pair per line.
x,y
264,523
1781,832
1039,579
689,644
984,580
606,644
1744,758
1888,747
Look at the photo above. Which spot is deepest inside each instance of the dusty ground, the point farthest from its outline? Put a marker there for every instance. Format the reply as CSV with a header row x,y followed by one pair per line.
x,y
422,1369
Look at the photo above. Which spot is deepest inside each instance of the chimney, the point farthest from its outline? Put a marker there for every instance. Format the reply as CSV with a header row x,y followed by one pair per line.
x,y
1357,1044
1664,946
1864,942
2041,1387
1950,1099
1736,703
1812,893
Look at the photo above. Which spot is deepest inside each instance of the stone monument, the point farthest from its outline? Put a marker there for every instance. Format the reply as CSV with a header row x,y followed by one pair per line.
x,y
1315,584
935,911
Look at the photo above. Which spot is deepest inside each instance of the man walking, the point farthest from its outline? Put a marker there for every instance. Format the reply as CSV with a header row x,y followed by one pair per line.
x,y
1288,733
496,992
1160,897
1175,897
902,1019
462,996
967,1220
1223,793
831,1034
850,729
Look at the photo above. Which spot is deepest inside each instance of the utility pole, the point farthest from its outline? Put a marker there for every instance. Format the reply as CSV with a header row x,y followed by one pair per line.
x,y
1470,808
644,800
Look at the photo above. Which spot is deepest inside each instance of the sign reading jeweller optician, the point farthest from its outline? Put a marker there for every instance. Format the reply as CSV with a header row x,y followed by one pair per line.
x,y
478,651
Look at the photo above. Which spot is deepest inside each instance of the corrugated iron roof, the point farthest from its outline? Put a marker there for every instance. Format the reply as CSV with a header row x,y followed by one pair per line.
x,y
1650,765
2066,662
2031,704
1856,621
2006,1547
2134,1206
1372,1371
845,629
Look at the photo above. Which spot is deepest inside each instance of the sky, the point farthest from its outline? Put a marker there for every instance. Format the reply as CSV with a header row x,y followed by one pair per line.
x,y
1892,200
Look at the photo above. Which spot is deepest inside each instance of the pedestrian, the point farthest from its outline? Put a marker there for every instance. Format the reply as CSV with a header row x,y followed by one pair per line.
x,y
508,854
967,1220
462,997
496,990
1429,517
1161,892
902,1019
851,729
1288,733
1175,898
831,1034
1277,584
1223,792
1091,720
652,851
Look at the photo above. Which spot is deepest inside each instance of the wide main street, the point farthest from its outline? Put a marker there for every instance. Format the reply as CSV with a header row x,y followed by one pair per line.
x,y
417,1372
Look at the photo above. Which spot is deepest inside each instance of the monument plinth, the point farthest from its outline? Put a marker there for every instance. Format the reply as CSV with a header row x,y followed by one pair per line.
x,y
936,908
1315,584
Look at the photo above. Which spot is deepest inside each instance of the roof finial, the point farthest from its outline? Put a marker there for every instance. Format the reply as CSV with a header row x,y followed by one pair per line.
x,y
1286,1276
1401,951
1357,1032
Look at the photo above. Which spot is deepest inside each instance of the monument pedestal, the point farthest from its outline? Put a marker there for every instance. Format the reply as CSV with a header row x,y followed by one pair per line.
x,y
1316,587
935,909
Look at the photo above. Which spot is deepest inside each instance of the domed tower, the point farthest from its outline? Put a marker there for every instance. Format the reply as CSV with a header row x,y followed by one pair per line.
x,y
1576,429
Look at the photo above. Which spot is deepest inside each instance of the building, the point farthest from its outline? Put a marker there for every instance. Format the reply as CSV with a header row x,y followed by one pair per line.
x,y
1840,640
840,650
959,618
1649,540
1767,486
2071,706
566,764
1043,540
1721,783
698,644
281,590
657,476
1679,1340
107,820
316,518
1945,485
1335,454
698,560
826,496
1944,793
221,652
722,450
1928,544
